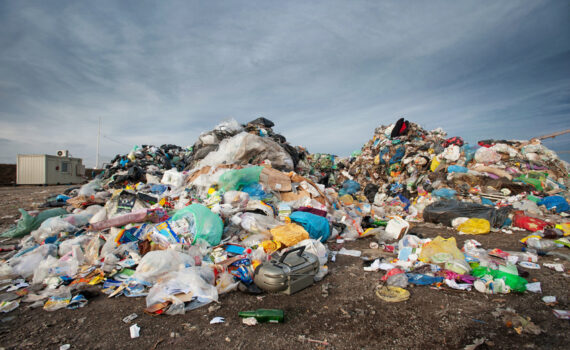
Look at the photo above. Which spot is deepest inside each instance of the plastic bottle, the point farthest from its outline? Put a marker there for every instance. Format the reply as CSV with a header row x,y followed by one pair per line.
x,y
264,315
543,245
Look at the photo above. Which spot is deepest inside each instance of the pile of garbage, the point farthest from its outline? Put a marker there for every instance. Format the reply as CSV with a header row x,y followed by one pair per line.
x,y
243,210
405,168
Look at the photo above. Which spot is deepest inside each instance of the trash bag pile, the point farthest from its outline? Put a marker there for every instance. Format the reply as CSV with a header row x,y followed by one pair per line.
x,y
405,169
242,210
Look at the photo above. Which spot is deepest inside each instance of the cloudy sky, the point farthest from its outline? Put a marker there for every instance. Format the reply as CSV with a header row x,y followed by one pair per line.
x,y
326,72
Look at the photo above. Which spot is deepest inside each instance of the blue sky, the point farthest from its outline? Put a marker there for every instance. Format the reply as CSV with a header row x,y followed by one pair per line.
x,y
326,72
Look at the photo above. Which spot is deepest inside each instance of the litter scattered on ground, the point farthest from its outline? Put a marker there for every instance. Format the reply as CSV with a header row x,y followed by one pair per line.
x,y
135,331
243,211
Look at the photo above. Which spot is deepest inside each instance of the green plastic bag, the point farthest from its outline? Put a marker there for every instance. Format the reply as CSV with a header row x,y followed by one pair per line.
x,y
235,180
209,226
517,283
28,223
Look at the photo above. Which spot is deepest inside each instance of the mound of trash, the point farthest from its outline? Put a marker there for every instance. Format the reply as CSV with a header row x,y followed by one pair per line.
x,y
243,210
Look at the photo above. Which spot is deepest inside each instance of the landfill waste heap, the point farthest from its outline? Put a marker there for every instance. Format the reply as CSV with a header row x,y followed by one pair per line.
x,y
243,210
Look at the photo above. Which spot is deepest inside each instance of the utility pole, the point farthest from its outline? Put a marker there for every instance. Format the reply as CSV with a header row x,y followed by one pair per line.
x,y
98,140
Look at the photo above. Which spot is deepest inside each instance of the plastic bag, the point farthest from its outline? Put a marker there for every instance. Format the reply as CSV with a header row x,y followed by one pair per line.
x,y
174,178
24,265
555,202
245,148
349,187
236,199
529,223
28,223
446,193
475,226
226,283
51,227
256,223
90,188
516,283
469,151
100,215
209,226
315,247
446,210
457,169
41,272
196,281
451,153
158,263
235,180
487,156
317,226
289,234
67,245
441,250
92,250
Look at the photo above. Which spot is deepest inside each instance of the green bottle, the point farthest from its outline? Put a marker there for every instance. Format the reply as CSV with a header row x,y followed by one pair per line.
x,y
264,315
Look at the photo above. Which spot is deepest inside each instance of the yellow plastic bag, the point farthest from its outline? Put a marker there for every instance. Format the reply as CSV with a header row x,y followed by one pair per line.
x,y
289,234
434,164
475,226
441,250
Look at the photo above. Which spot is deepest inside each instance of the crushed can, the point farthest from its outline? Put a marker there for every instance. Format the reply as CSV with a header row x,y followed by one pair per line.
x,y
289,273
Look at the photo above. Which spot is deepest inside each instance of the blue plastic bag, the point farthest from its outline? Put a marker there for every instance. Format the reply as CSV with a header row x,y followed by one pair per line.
x,y
444,193
422,280
557,202
255,191
398,155
316,226
349,187
457,169
469,151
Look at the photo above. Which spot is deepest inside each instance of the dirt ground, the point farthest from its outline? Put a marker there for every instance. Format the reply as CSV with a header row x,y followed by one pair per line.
x,y
340,312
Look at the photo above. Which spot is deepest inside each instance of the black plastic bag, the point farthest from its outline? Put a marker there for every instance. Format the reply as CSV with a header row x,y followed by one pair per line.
x,y
446,210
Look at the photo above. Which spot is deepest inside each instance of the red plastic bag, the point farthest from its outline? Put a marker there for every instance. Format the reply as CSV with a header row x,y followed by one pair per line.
x,y
528,223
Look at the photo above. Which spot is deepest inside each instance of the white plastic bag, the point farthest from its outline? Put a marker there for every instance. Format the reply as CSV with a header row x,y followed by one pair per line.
x,y
199,281
157,264
258,223
174,178
25,264
52,227
487,156
315,247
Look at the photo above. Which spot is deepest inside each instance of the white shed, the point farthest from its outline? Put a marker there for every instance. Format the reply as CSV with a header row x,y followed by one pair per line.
x,y
44,169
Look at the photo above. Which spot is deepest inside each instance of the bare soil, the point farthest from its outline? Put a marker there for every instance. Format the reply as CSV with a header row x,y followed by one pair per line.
x,y
340,312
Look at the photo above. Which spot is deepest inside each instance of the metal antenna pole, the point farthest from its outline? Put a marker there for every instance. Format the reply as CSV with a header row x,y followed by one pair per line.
x,y
98,139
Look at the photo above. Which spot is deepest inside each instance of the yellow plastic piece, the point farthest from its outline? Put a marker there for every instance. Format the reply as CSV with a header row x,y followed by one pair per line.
x,y
441,250
289,234
564,227
475,226
346,199
270,246
434,164
523,240
392,294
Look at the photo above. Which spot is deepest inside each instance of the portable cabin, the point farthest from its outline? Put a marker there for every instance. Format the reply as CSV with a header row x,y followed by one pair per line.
x,y
45,169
